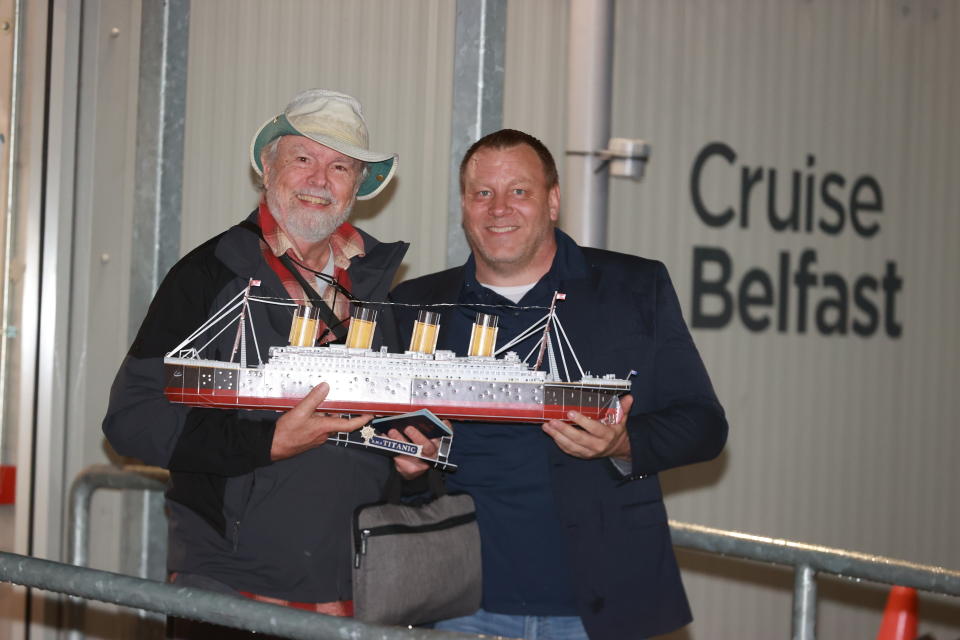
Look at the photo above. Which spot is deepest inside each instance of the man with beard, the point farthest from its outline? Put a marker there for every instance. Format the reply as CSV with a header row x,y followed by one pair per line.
x,y
574,534
257,505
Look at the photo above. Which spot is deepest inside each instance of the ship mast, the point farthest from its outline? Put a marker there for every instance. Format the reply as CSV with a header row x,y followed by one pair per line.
x,y
546,329
241,340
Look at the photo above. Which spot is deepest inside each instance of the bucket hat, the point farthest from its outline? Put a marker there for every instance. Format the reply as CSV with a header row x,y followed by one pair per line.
x,y
334,120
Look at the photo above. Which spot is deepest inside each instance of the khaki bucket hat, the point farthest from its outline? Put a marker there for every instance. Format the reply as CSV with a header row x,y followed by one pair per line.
x,y
334,120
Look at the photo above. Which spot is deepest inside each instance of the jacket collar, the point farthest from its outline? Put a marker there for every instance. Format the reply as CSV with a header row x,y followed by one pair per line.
x,y
569,263
239,250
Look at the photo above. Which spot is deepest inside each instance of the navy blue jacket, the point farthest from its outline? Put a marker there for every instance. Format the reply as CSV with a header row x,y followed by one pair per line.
x,y
621,313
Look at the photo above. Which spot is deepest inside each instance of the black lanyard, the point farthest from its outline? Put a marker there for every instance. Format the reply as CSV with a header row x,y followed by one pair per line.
x,y
329,318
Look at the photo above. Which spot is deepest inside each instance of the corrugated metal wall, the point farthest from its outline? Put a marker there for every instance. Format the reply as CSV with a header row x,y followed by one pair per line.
x,y
841,440
535,81
248,58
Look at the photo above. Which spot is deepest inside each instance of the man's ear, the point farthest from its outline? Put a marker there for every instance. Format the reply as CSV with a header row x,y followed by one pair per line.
x,y
361,176
267,168
553,202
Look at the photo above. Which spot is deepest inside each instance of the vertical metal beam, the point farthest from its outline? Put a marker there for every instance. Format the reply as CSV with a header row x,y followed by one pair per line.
x,y
804,603
7,328
589,90
161,109
480,41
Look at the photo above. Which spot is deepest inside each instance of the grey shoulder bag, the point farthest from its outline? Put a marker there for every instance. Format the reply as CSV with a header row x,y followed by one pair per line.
x,y
416,562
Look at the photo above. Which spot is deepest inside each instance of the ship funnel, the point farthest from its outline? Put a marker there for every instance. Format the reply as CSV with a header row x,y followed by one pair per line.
x,y
425,329
363,322
306,323
483,338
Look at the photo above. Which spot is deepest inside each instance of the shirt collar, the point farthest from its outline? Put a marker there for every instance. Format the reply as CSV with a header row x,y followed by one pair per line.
x,y
568,264
345,241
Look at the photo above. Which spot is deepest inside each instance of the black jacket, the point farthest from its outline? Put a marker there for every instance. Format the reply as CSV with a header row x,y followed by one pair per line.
x,y
277,529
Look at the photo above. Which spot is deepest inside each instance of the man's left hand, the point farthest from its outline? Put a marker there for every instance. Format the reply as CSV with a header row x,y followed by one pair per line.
x,y
408,466
593,439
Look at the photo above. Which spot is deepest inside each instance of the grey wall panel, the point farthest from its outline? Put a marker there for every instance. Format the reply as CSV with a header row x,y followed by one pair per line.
x,y
841,440
100,283
535,81
247,58
835,439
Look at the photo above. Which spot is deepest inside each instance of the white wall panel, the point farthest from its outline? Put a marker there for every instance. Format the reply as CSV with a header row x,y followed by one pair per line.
x,y
248,58
842,440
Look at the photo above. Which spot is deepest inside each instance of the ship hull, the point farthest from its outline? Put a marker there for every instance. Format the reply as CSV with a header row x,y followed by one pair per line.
x,y
387,387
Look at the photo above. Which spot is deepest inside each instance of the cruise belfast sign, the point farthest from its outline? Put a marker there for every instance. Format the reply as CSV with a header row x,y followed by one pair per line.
x,y
800,293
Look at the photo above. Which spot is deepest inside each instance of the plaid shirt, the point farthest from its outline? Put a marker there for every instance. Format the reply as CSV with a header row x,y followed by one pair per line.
x,y
345,243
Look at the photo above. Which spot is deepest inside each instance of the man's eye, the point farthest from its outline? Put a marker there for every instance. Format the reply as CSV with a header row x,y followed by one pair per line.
x,y
302,159
519,192
483,193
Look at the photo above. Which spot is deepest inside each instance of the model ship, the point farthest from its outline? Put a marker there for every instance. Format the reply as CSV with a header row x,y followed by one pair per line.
x,y
478,386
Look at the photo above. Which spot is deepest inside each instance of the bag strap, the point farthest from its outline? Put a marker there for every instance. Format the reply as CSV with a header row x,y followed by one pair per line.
x,y
431,481
329,318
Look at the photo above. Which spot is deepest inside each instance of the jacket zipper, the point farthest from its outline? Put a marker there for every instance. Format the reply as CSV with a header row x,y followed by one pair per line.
x,y
246,503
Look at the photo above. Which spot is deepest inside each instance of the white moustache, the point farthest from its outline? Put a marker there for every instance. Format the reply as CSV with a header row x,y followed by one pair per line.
x,y
317,196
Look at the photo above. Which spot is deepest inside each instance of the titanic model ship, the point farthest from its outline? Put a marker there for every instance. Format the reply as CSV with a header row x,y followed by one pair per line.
x,y
421,385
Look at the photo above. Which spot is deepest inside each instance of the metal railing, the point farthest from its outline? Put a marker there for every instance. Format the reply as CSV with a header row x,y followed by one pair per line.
x,y
199,604
807,559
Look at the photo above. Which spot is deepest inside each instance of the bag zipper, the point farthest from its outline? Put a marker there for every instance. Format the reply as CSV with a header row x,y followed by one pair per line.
x,y
361,535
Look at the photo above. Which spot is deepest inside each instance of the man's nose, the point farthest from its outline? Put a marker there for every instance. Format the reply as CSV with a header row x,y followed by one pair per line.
x,y
499,205
318,176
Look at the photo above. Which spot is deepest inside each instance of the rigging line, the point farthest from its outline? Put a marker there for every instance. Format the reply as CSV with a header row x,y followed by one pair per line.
x,y
524,335
236,338
217,317
253,331
290,302
536,345
563,357
552,362
573,353
207,344
223,312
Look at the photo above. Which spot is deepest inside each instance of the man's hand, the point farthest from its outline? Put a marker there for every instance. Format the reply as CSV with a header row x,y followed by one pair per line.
x,y
302,428
408,466
595,439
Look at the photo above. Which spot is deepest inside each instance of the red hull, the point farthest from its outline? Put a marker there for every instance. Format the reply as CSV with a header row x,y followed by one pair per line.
x,y
488,411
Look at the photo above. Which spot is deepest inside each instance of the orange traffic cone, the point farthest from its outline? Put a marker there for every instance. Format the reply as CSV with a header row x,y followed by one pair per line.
x,y
900,616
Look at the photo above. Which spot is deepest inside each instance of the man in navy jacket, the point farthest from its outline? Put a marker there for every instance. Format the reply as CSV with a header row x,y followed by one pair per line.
x,y
574,532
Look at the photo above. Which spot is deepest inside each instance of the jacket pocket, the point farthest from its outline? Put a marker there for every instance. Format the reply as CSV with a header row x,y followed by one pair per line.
x,y
640,515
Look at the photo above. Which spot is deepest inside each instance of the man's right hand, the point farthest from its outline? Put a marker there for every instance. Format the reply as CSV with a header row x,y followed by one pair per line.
x,y
302,428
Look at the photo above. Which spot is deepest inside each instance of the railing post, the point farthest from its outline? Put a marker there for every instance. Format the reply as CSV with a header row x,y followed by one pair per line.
x,y
78,523
152,551
804,603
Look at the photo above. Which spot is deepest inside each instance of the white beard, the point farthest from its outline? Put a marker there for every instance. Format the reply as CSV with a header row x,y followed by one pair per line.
x,y
308,225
